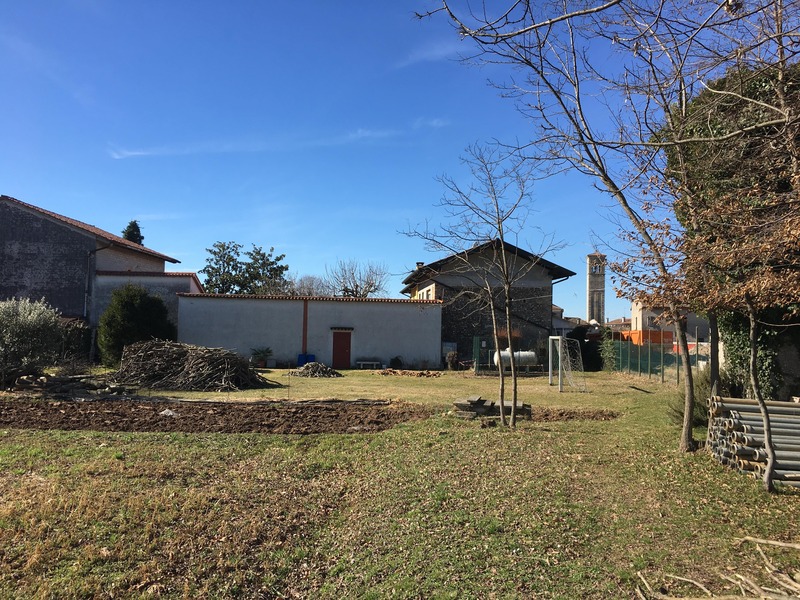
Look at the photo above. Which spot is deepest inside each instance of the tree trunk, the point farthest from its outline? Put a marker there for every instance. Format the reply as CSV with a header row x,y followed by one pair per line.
x,y
756,386
500,368
713,334
714,352
687,443
511,360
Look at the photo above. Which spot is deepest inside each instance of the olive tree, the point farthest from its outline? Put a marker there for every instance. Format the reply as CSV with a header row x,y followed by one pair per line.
x,y
30,338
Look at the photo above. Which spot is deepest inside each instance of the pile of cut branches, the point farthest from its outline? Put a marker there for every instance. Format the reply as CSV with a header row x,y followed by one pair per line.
x,y
164,365
314,369
782,585
409,373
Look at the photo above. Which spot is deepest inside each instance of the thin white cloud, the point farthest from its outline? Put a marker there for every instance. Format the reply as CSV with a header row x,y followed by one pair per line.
x,y
360,135
213,147
356,136
120,153
371,134
430,123
433,52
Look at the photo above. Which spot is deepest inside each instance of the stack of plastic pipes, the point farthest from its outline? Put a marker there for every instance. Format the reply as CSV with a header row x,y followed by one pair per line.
x,y
736,437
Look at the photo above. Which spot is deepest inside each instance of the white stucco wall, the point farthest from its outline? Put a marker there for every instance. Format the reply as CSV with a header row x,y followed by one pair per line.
x,y
162,285
122,259
381,329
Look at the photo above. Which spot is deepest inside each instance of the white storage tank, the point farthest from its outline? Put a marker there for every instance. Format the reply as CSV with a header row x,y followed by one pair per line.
x,y
522,358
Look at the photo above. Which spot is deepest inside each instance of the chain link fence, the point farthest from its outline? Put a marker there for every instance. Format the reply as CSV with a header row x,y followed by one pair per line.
x,y
656,360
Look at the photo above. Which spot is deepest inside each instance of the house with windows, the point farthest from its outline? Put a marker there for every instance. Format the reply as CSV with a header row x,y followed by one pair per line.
x,y
650,324
75,266
459,281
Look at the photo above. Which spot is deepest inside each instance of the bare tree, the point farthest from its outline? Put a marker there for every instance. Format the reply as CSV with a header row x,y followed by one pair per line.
x,y
310,285
481,220
606,87
356,279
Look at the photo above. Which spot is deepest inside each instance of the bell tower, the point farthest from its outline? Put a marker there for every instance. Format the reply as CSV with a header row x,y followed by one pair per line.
x,y
596,287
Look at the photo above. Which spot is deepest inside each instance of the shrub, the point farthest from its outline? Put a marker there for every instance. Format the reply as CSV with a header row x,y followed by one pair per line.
x,y
30,338
702,393
735,334
608,351
261,355
132,316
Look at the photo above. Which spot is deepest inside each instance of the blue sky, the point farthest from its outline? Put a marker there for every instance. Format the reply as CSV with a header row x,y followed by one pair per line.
x,y
318,128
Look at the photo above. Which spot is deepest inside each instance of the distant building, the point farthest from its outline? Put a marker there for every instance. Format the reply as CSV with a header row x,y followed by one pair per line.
x,y
618,325
457,280
649,324
596,287
562,325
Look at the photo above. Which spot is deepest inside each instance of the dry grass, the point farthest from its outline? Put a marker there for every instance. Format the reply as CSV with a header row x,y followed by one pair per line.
x,y
438,508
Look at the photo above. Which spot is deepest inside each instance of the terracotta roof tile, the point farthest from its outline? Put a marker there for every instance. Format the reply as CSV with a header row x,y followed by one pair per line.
x,y
317,298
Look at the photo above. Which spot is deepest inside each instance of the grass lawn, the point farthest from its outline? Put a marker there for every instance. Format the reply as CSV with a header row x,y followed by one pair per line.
x,y
439,508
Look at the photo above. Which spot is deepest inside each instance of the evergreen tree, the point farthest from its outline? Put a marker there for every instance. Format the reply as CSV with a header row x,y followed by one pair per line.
x,y
132,316
133,233
227,273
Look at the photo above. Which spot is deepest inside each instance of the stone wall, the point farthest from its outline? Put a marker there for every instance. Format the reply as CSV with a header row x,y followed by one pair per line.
x,y
41,259
463,318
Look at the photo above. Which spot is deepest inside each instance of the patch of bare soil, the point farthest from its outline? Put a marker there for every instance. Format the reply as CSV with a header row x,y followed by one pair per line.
x,y
150,414
540,413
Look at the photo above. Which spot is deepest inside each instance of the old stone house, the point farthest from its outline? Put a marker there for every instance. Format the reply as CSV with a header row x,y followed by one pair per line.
x,y
75,266
458,281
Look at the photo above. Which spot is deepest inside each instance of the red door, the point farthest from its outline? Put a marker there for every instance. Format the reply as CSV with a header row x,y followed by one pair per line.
x,y
341,350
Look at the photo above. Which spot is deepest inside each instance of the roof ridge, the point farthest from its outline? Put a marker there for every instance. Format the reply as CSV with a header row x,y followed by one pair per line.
x,y
91,229
318,298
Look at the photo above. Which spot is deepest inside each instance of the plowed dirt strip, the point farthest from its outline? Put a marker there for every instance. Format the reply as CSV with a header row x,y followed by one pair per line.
x,y
206,417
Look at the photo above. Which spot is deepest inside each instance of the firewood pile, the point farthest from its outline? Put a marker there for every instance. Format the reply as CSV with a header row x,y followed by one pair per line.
x,y
314,369
736,437
73,385
405,373
164,365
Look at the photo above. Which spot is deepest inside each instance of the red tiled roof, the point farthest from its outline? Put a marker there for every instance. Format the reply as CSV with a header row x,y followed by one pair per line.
x,y
90,229
424,272
318,298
